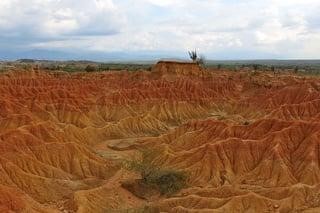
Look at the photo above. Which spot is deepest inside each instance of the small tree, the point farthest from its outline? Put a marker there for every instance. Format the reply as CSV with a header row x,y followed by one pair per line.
x,y
272,68
90,68
255,67
193,55
296,69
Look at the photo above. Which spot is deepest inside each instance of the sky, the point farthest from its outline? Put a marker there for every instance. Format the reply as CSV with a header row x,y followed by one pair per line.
x,y
217,29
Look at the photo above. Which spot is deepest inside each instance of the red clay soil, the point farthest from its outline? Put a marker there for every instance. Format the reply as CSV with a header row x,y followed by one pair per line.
x,y
249,141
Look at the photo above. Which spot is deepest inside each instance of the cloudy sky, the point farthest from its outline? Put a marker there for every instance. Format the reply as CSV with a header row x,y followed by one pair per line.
x,y
219,29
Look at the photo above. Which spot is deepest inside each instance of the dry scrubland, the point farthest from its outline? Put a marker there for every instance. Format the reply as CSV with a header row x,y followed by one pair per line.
x,y
233,141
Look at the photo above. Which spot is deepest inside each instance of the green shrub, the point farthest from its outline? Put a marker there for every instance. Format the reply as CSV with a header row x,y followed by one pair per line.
x,y
201,60
166,181
90,68
142,209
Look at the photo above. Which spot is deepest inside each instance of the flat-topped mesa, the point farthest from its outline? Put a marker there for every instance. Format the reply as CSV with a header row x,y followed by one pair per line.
x,y
176,67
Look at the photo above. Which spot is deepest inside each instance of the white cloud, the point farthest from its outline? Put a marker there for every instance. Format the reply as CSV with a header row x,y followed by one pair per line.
x,y
288,28
59,17
162,3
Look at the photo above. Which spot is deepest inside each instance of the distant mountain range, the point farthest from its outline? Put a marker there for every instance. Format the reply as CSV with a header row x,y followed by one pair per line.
x,y
92,56
145,56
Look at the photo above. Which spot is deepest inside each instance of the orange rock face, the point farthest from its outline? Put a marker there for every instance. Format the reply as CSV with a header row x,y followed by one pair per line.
x,y
249,142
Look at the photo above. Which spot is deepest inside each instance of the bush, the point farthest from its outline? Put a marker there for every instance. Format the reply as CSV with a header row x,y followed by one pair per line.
x,y
246,123
196,59
90,68
201,60
142,209
273,68
166,181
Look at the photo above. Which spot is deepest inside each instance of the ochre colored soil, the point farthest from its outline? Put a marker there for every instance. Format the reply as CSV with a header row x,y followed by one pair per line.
x,y
249,141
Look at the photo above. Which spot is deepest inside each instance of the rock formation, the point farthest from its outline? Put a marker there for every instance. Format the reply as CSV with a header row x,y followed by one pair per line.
x,y
248,142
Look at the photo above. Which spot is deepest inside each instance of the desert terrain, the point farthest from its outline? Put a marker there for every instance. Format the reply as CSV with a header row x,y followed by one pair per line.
x,y
245,141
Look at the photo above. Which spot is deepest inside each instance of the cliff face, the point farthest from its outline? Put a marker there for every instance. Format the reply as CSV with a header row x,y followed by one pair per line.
x,y
248,142
173,67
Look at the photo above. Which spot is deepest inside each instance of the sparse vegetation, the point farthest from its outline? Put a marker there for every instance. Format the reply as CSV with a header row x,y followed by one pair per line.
x,y
193,55
90,68
305,68
166,181
246,123
273,69
142,209
71,68
201,60
4,68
